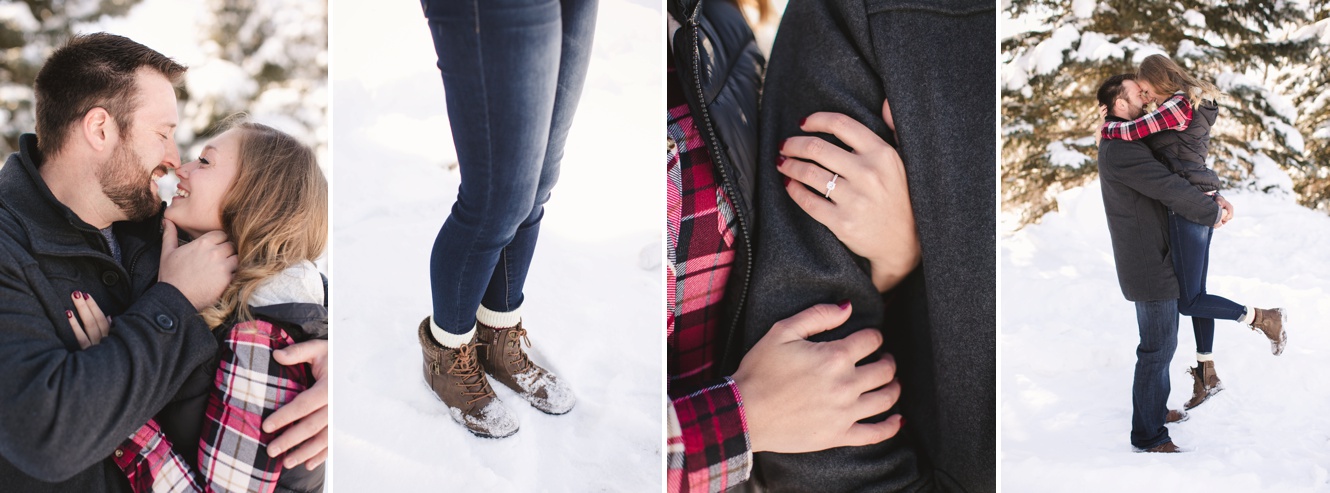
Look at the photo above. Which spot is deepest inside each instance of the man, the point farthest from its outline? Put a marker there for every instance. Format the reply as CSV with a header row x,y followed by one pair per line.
x,y
79,217
1139,191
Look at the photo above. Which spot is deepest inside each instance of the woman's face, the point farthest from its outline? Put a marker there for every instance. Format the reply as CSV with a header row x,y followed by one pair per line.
x,y
1147,91
197,206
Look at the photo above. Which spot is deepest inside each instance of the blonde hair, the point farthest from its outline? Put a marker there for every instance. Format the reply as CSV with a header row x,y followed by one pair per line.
x,y
763,7
276,213
1168,78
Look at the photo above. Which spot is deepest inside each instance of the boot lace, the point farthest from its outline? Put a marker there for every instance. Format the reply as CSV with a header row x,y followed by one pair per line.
x,y
518,361
466,367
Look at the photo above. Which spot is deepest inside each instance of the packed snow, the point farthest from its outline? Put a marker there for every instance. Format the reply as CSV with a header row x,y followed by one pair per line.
x,y
1068,351
593,297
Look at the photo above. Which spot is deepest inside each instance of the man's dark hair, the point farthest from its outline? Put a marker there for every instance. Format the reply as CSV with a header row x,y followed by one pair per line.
x,y
1111,90
93,70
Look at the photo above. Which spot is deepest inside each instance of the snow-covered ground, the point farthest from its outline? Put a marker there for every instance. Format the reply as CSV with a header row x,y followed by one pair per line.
x,y
593,296
1068,350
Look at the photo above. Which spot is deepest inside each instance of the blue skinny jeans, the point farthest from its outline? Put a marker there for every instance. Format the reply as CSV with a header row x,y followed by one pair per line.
x,y
513,72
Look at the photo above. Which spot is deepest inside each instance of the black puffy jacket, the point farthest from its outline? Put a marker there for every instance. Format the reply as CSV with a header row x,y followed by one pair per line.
x,y
1184,152
721,69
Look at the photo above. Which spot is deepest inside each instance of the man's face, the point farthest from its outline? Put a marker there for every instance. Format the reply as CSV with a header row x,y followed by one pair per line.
x,y
145,151
1130,106
1148,92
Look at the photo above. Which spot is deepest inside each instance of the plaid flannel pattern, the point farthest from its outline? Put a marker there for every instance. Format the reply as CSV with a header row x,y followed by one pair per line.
x,y
1173,114
250,385
151,465
708,438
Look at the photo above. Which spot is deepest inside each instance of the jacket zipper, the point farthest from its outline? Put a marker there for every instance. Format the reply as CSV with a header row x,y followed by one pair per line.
x,y
718,156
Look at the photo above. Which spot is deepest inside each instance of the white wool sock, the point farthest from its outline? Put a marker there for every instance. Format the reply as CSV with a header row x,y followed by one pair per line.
x,y
1202,357
499,320
449,339
1248,317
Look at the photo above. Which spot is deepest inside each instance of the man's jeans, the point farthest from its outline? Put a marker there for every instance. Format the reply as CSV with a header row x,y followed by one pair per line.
x,y
1190,244
513,72
1158,323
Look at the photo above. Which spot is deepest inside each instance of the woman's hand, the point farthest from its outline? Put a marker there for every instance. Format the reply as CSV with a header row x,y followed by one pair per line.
x,y
869,207
802,396
98,325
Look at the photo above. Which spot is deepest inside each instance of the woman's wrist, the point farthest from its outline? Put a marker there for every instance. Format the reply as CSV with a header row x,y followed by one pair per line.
x,y
887,274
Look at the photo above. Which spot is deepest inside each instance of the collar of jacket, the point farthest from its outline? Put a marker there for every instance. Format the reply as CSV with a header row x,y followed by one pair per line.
x,y
685,11
52,228
310,318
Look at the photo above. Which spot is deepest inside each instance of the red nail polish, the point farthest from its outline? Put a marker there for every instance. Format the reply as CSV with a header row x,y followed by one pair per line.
x,y
69,314
785,181
77,295
780,160
782,144
844,304
802,121
902,421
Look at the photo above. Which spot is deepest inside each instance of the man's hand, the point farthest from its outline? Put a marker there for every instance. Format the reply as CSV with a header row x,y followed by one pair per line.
x,y
307,438
802,396
201,269
1226,213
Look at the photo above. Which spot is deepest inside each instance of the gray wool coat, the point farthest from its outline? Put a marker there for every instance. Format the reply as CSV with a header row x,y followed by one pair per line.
x,y
63,411
934,61
1138,192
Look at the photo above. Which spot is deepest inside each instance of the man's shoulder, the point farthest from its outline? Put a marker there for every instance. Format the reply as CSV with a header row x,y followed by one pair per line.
x,y
1115,150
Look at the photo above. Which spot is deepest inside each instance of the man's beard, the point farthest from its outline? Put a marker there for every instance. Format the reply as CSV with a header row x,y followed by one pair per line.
x,y
124,181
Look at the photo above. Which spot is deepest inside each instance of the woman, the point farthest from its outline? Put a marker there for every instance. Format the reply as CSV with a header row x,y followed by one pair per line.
x,y
513,72
780,398
265,191
1179,131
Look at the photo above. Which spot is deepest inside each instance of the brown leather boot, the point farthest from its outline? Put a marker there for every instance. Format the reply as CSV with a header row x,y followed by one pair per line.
x,y
1163,448
1175,416
1205,383
508,363
456,378
1271,323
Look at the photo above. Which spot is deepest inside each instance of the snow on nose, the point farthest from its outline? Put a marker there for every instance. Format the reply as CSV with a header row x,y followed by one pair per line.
x,y
166,186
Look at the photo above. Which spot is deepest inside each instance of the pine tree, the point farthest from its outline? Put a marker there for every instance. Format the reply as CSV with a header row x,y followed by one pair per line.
x,y
29,31
1313,101
1050,74
267,58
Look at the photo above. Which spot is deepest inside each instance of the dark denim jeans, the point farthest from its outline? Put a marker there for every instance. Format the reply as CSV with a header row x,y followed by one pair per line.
x,y
1158,324
1190,244
513,72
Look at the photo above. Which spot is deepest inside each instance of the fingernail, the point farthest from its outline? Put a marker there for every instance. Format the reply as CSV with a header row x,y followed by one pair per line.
x,y
844,304
69,314
78,295
802,120
782,144
780,160
902,421
785,181
274,451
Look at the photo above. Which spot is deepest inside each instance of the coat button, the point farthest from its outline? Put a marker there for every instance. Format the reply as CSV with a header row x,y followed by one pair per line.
x,y
165,321
119,453
109,278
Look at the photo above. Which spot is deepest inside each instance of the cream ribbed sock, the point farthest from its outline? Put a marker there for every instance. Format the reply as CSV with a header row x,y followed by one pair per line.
x,y
1249,316
499,320
449,339
1202,357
